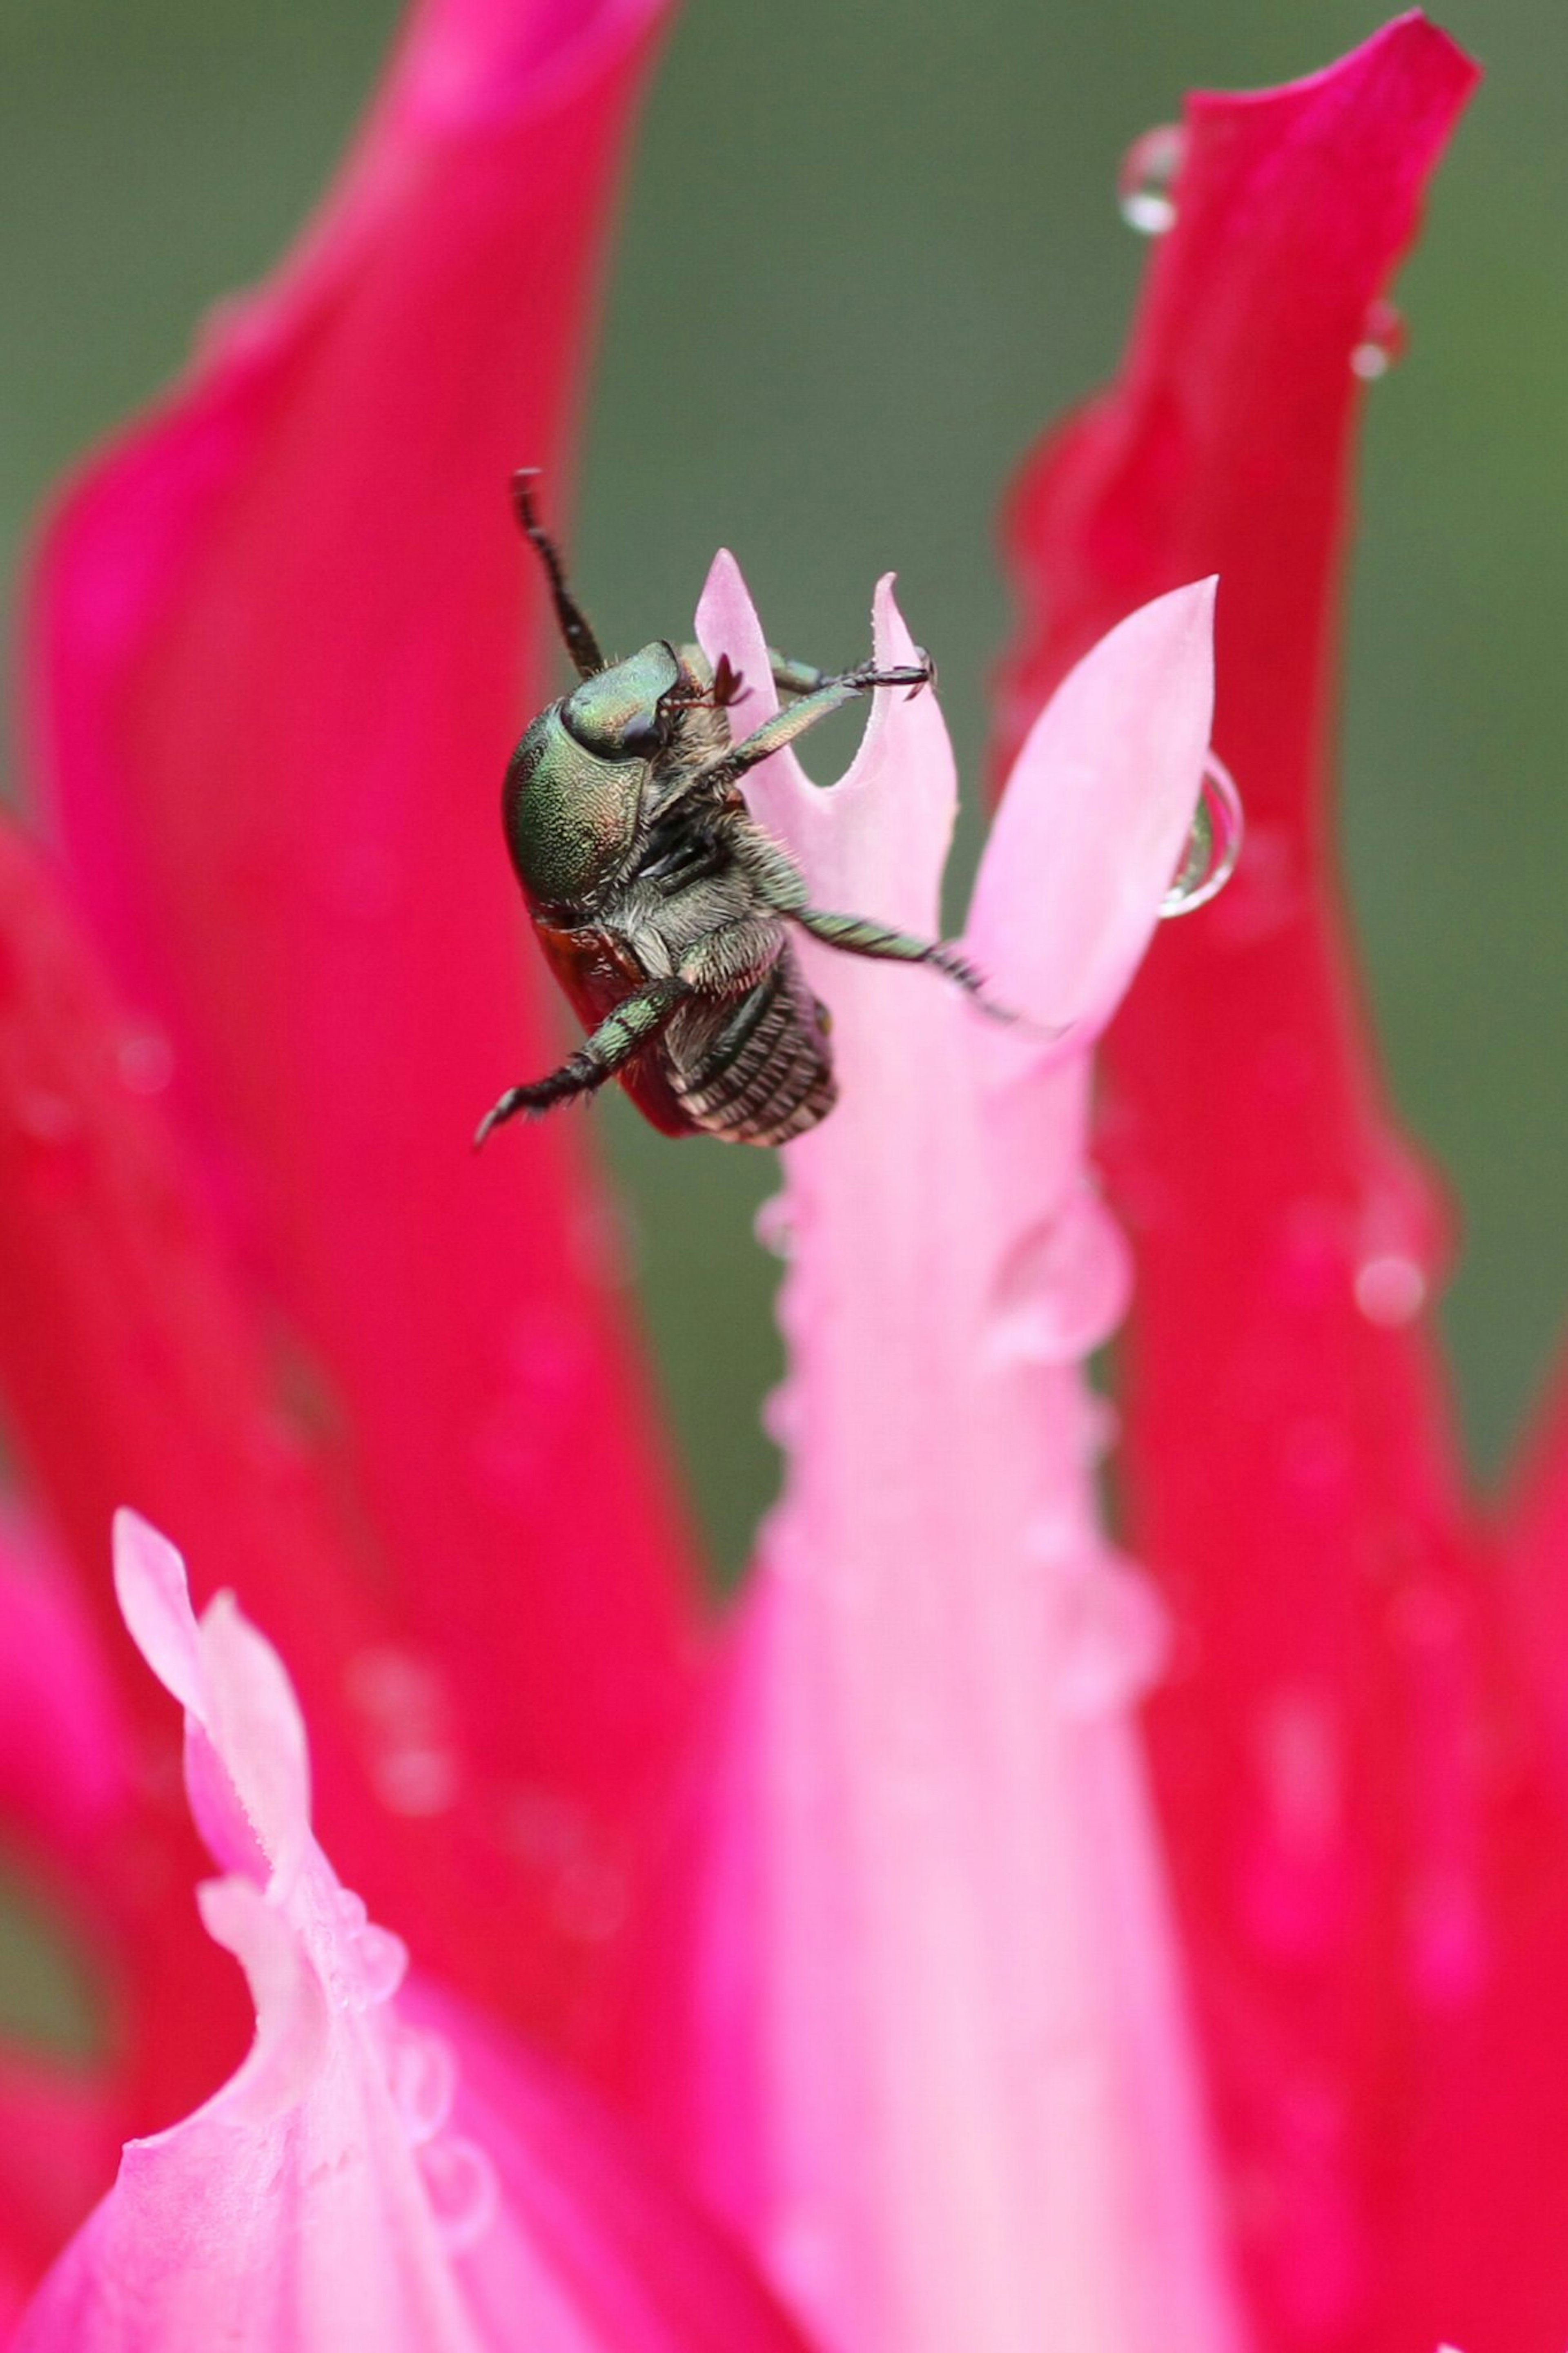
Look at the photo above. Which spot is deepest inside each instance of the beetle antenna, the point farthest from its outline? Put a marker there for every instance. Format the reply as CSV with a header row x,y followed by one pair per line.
x,y
575,629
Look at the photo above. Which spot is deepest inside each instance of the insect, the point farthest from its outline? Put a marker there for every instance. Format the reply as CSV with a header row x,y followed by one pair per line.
x,y
663,907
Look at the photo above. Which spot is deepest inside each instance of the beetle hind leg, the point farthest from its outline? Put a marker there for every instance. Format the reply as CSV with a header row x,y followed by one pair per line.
x,y
621,1034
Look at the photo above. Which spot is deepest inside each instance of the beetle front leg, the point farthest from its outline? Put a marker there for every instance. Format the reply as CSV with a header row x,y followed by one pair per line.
x,y
621,1035
800,678
786,725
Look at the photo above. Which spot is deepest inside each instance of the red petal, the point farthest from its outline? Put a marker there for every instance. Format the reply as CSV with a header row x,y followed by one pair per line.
x,y
60,2142
1291,1464
277,654
132,1370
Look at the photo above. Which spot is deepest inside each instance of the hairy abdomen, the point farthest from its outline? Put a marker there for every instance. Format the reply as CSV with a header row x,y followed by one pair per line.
x,y
759,1070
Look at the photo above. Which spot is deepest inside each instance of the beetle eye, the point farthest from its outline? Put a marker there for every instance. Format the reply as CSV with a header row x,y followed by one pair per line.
x,y
644,738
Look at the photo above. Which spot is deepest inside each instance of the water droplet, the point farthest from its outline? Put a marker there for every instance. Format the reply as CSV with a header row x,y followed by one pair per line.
x,y
412,1757
590,1899
383,1964
1214,844
422,2076
47,1118
146,1063
1146,183
1114,1636
1064,1287
1390,1289
781,1416
773,1225
1381,345
461,2184
1449,1947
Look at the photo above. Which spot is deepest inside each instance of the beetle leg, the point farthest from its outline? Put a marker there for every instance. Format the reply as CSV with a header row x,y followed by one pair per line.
x,y
796,676
623,1033
800,678
576,630
855,935
785,725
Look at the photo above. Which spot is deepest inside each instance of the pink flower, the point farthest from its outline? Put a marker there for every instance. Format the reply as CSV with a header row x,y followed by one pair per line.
x,y
907,2008
383,2171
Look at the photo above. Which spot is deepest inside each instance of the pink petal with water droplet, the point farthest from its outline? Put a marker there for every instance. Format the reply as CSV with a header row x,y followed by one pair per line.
x,y
1090,826
924,2040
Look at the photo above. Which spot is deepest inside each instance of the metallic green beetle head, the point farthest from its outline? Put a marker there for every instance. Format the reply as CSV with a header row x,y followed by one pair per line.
x,y
574,797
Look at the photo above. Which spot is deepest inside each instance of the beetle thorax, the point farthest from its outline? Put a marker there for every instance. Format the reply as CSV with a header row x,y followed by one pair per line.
x,y
571,818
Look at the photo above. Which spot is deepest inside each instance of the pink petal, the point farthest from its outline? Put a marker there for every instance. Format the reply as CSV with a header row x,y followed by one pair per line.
x,y
276,673
1293,1476
331,2196
924,2043
1090,828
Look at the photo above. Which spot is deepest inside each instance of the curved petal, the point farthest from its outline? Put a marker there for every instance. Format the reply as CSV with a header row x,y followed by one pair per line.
x,y
275,648
924,2041
1292,1470
380,2171
1090,826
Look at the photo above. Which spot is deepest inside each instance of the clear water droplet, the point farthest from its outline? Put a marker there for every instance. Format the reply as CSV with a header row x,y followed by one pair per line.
x,y
774,1226
47,1118
1214,844
1114,1637
1381,345
461,2184
383,1964
780,1416
146,1063
1064,1288
1390,1289
1146,183
422,2076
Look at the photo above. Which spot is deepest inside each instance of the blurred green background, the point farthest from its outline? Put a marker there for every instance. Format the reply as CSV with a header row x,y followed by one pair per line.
x,y
868,253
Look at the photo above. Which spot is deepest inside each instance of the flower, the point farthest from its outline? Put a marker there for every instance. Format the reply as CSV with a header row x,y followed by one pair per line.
x,y
909,2010
383,2171
923,1976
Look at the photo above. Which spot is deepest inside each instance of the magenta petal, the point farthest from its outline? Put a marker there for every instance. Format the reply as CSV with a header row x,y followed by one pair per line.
x,y
276,647
65,1758
347,2189
1328,1763
925,2044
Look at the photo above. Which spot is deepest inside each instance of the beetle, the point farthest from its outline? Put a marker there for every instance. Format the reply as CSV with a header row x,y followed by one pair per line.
x,y
661,905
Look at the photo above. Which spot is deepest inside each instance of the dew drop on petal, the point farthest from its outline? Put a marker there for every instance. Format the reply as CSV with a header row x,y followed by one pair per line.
x,y
1214,844
146,1063
780,1416
1113,1639
774,1226
47,1118
422,2076
1146,182
1381,345
1064,1288
461,2184
1390,1289
383,1964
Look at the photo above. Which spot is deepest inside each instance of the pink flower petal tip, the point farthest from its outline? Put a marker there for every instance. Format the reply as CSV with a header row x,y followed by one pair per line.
x,y
382,2174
